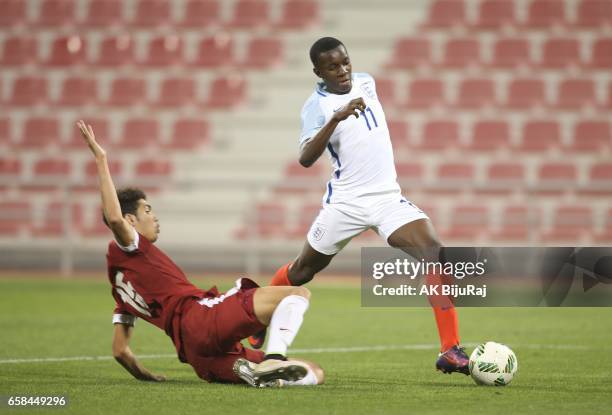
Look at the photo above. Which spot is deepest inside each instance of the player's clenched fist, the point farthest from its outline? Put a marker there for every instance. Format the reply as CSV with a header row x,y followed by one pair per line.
x,y
354,107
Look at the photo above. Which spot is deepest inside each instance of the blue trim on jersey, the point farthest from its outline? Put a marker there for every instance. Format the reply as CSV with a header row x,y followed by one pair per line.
x,y
335,156
321,93
329,192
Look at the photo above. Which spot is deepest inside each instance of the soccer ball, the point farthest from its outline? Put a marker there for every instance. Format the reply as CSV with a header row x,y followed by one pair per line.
x,y
493,364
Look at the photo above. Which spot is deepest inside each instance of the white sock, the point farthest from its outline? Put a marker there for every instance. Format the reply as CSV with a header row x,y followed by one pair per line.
x,y
285,323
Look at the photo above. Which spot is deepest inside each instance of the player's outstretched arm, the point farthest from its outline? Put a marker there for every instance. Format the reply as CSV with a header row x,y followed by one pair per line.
x,y
123,354
124,234
313,149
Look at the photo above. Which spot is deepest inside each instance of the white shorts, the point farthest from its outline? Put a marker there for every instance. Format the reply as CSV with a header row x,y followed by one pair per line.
x,y
338,223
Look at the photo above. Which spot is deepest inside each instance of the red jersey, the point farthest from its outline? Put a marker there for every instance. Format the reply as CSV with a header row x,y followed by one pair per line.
x,y
146,283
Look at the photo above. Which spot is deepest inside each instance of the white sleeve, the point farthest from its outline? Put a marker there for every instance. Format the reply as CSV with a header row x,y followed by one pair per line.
x,y
133,246
313,119
127,319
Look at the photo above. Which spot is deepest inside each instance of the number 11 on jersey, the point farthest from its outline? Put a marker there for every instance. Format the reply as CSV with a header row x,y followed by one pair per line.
x,y
365,117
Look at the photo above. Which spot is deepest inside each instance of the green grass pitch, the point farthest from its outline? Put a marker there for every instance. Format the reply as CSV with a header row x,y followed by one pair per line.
x,y
563,354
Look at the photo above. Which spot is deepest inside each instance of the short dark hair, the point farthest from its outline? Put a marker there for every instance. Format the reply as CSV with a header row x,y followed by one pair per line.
x,y
128,200
323,45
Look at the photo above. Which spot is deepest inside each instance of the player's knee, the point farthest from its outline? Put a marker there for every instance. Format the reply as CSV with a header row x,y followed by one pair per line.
x,y
301,291
302,275
320,375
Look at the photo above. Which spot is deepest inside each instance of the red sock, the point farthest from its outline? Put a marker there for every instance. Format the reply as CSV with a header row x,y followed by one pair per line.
x,y
448,327
445,313
281,277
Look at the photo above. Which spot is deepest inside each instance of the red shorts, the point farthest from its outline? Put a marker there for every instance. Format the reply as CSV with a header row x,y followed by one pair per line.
x,y
212,328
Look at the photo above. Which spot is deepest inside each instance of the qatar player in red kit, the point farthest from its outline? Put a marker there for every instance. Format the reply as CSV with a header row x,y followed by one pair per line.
x,y
206,327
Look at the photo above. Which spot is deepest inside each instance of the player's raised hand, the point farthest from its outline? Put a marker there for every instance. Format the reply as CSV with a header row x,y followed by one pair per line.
x,y
354,107
90,139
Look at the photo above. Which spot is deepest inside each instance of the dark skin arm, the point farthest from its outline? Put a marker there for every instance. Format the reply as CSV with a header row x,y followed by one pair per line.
x,y
313,149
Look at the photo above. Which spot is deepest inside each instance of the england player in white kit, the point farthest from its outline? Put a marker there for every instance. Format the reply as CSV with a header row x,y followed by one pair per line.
x,y
362,192
344,118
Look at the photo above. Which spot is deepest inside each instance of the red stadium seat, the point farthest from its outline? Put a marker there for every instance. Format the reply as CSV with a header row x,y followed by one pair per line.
x,y
385,90
570,223
410,53
140,133
556,177
456,172
270,220
55,13
511,53
575,94
594,13
152,13
101,129
28,91
444,14
476,93
58,221
165,51
10,168
78,92
602,54
91,169
104,13
440,134
264,52
300,179
399,132
15,215
468,222
591,136
154,170
544,14
201,13
306,216
540,136
90,173
524,94
518,223
295,170
67,51
39,133
495,14
13,12
215,51
19,50
425,93
48,174
410,175
116,51
460,53
561,53
177,92
490,136
299,14
126,92
505,177
600,179
189,134
410,171
609,99
249,14
227,92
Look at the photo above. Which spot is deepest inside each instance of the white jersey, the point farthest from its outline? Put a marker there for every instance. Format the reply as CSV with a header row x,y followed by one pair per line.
x,y
360,148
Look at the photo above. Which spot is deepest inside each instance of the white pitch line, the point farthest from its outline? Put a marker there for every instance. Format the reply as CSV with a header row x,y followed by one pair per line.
x,y
354,349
